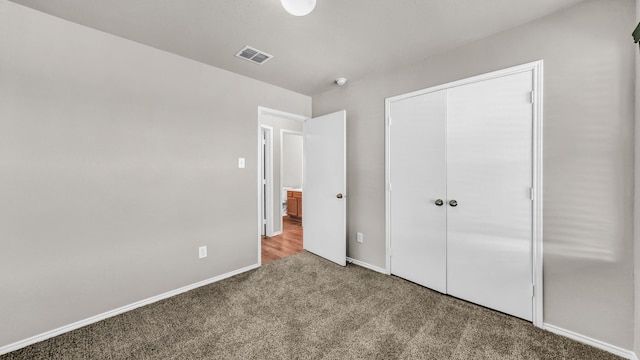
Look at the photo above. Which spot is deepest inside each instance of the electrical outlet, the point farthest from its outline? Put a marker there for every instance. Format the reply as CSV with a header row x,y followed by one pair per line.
x,y
202,252
359,237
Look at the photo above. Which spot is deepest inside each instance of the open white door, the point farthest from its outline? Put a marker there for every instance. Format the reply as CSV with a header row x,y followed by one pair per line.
x,y
325,206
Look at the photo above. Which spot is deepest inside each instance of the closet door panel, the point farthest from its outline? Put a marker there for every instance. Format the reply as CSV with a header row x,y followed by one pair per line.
x,y
418,177
489,171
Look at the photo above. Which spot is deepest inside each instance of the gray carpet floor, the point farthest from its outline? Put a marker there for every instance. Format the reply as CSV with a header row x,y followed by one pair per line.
x,y
303,307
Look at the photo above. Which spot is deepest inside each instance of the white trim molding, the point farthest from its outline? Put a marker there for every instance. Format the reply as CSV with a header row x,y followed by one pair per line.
x,y
536,67
627,354
105,315
537,236
268,195
367,266
267,111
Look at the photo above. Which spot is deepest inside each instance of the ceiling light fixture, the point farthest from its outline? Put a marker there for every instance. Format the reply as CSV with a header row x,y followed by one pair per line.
x,y
298,7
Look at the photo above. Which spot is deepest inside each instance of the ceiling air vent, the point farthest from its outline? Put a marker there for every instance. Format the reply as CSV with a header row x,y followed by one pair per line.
x,y
254,55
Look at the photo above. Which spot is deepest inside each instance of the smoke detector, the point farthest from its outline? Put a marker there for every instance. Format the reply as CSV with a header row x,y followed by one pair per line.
x,y
340,81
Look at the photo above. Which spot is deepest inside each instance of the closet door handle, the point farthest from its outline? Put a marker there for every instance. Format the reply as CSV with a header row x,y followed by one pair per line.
x,y
439,202
453,203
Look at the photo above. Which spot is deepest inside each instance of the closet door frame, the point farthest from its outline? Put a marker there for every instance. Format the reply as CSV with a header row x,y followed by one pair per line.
x,y
536,68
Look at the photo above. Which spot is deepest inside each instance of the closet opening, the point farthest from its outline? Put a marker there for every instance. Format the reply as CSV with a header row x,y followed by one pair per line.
x,y
464,189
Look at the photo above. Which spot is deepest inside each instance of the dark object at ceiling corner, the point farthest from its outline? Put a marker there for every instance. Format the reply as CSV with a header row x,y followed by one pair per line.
x,y
636,33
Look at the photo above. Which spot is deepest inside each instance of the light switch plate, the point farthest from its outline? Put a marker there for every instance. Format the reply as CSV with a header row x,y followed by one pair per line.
x,y
202,252
240,163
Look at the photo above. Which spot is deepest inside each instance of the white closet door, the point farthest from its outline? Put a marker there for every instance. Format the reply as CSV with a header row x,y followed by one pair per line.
x,y
418,177
489,171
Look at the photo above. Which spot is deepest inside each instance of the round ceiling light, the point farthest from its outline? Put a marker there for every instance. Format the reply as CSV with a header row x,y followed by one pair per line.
x,y
298,7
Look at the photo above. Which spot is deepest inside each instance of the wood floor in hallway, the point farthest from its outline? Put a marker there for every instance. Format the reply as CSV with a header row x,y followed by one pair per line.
x,y
286,244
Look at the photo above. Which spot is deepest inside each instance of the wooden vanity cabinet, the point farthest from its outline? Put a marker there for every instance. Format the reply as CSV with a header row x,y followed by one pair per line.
x,y
294,204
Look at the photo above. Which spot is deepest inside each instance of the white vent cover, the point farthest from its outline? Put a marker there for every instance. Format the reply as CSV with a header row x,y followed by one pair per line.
x,y
254,55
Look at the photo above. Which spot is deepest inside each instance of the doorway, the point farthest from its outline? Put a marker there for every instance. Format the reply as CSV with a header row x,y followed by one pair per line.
x,y
323,214
280,151
291,174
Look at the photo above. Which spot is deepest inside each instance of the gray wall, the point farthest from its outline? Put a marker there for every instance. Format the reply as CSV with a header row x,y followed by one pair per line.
x,y
278,123
292,160
588,161
117,161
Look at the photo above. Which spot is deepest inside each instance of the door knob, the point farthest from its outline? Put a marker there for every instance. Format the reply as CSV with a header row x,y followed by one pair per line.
x,y
439,202
339,196
453,203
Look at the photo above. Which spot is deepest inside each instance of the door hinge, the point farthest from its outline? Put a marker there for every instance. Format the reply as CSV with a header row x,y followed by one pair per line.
x,y
264,221
264,182
533,97
532,194
389,186
533,293
389,120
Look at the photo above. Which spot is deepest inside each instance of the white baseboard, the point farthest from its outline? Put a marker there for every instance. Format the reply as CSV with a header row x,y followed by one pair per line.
x,y
627,354
367,266
78,324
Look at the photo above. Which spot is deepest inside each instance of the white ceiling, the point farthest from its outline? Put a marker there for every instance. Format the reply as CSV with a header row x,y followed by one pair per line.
x,y
340,38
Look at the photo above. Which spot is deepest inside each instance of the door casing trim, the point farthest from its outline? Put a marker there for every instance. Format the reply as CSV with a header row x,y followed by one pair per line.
x,y
267,196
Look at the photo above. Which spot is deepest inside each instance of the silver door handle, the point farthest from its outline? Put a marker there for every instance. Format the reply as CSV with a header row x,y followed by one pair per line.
x,y
339,196
453,203
439,202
